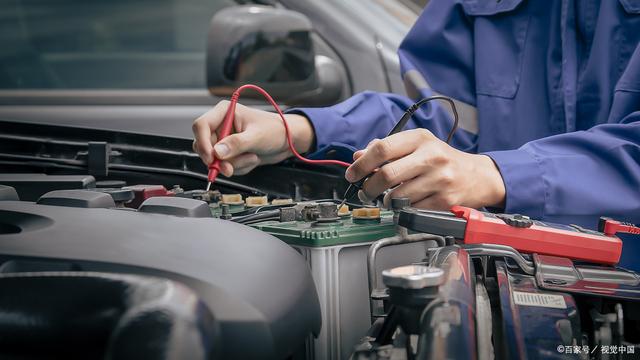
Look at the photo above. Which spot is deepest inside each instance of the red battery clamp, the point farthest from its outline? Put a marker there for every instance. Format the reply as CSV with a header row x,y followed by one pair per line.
x,y
471,226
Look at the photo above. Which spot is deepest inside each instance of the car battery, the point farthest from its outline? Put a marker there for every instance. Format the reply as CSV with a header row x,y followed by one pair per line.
x,y
335,249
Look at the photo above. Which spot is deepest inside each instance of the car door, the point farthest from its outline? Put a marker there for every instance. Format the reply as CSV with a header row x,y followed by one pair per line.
x,y
139,65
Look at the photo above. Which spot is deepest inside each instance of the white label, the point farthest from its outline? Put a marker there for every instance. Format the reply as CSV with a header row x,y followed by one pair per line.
x,y
542,300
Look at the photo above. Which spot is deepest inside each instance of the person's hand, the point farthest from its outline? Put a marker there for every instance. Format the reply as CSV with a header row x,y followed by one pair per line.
x,y
425,169
259,138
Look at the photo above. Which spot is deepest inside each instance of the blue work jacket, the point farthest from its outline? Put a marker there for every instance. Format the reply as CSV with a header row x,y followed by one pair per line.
x,y
549,89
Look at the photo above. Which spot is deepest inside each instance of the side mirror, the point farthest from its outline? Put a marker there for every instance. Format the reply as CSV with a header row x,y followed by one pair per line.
x,y
272,48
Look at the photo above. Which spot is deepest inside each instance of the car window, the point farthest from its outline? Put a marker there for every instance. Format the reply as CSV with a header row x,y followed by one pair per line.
x,y
104,44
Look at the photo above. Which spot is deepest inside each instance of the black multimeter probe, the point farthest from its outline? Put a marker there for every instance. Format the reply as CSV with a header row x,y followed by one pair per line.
x,y
356,186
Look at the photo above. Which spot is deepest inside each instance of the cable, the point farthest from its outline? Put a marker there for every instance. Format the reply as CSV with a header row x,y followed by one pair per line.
x,y
286,127
227,126
267,215
351,204
413,108
81,165
270,218
258,209
223,182
354,187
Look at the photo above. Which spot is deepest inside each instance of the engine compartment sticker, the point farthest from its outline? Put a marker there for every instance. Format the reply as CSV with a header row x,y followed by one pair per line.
x,y
541,300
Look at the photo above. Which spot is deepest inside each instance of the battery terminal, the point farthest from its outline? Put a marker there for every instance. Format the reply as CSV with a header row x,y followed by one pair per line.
x,y
344,211
366,214
255,201
232,199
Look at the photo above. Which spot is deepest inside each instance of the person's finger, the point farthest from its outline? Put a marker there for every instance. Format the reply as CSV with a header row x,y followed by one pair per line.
x,y
415,189
202,145
204,127
378,151
226,168
434,190
392,174
235,144
390,148
205,148
358,154
434,202
244,163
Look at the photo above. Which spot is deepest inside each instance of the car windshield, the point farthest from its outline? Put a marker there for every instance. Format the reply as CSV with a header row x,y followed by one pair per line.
x,y
126,44
130,44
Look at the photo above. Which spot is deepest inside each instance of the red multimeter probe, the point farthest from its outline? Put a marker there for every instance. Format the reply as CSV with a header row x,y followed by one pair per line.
x,y
523,234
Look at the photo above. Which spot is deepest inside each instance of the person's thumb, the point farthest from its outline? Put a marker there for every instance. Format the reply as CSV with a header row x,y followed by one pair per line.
x,y
234,145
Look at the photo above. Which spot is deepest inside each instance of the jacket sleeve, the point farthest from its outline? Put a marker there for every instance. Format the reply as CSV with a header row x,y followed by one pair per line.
x,y
579,176
440,40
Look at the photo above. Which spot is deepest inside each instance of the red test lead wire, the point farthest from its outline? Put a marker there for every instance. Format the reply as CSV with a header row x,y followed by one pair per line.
x,y
227,126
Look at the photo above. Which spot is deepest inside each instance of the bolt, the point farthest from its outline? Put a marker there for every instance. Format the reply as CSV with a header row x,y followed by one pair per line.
x,y
310,213
226,213
397,204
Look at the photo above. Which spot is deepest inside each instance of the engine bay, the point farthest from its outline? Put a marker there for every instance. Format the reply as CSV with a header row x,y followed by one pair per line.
x,y
271,265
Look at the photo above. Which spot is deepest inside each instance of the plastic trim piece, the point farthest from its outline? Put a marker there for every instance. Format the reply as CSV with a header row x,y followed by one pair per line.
x,y
77,198
176,206
8,193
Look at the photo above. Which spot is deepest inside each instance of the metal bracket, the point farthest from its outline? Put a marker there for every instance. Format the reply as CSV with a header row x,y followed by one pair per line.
x,y
98,158
503,251
401,238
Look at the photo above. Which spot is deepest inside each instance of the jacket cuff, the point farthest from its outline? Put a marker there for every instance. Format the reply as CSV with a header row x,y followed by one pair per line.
x,y
522,174
334,151
326,122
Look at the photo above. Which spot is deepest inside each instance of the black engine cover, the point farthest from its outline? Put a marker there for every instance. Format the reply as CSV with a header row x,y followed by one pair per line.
x,y
258,289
